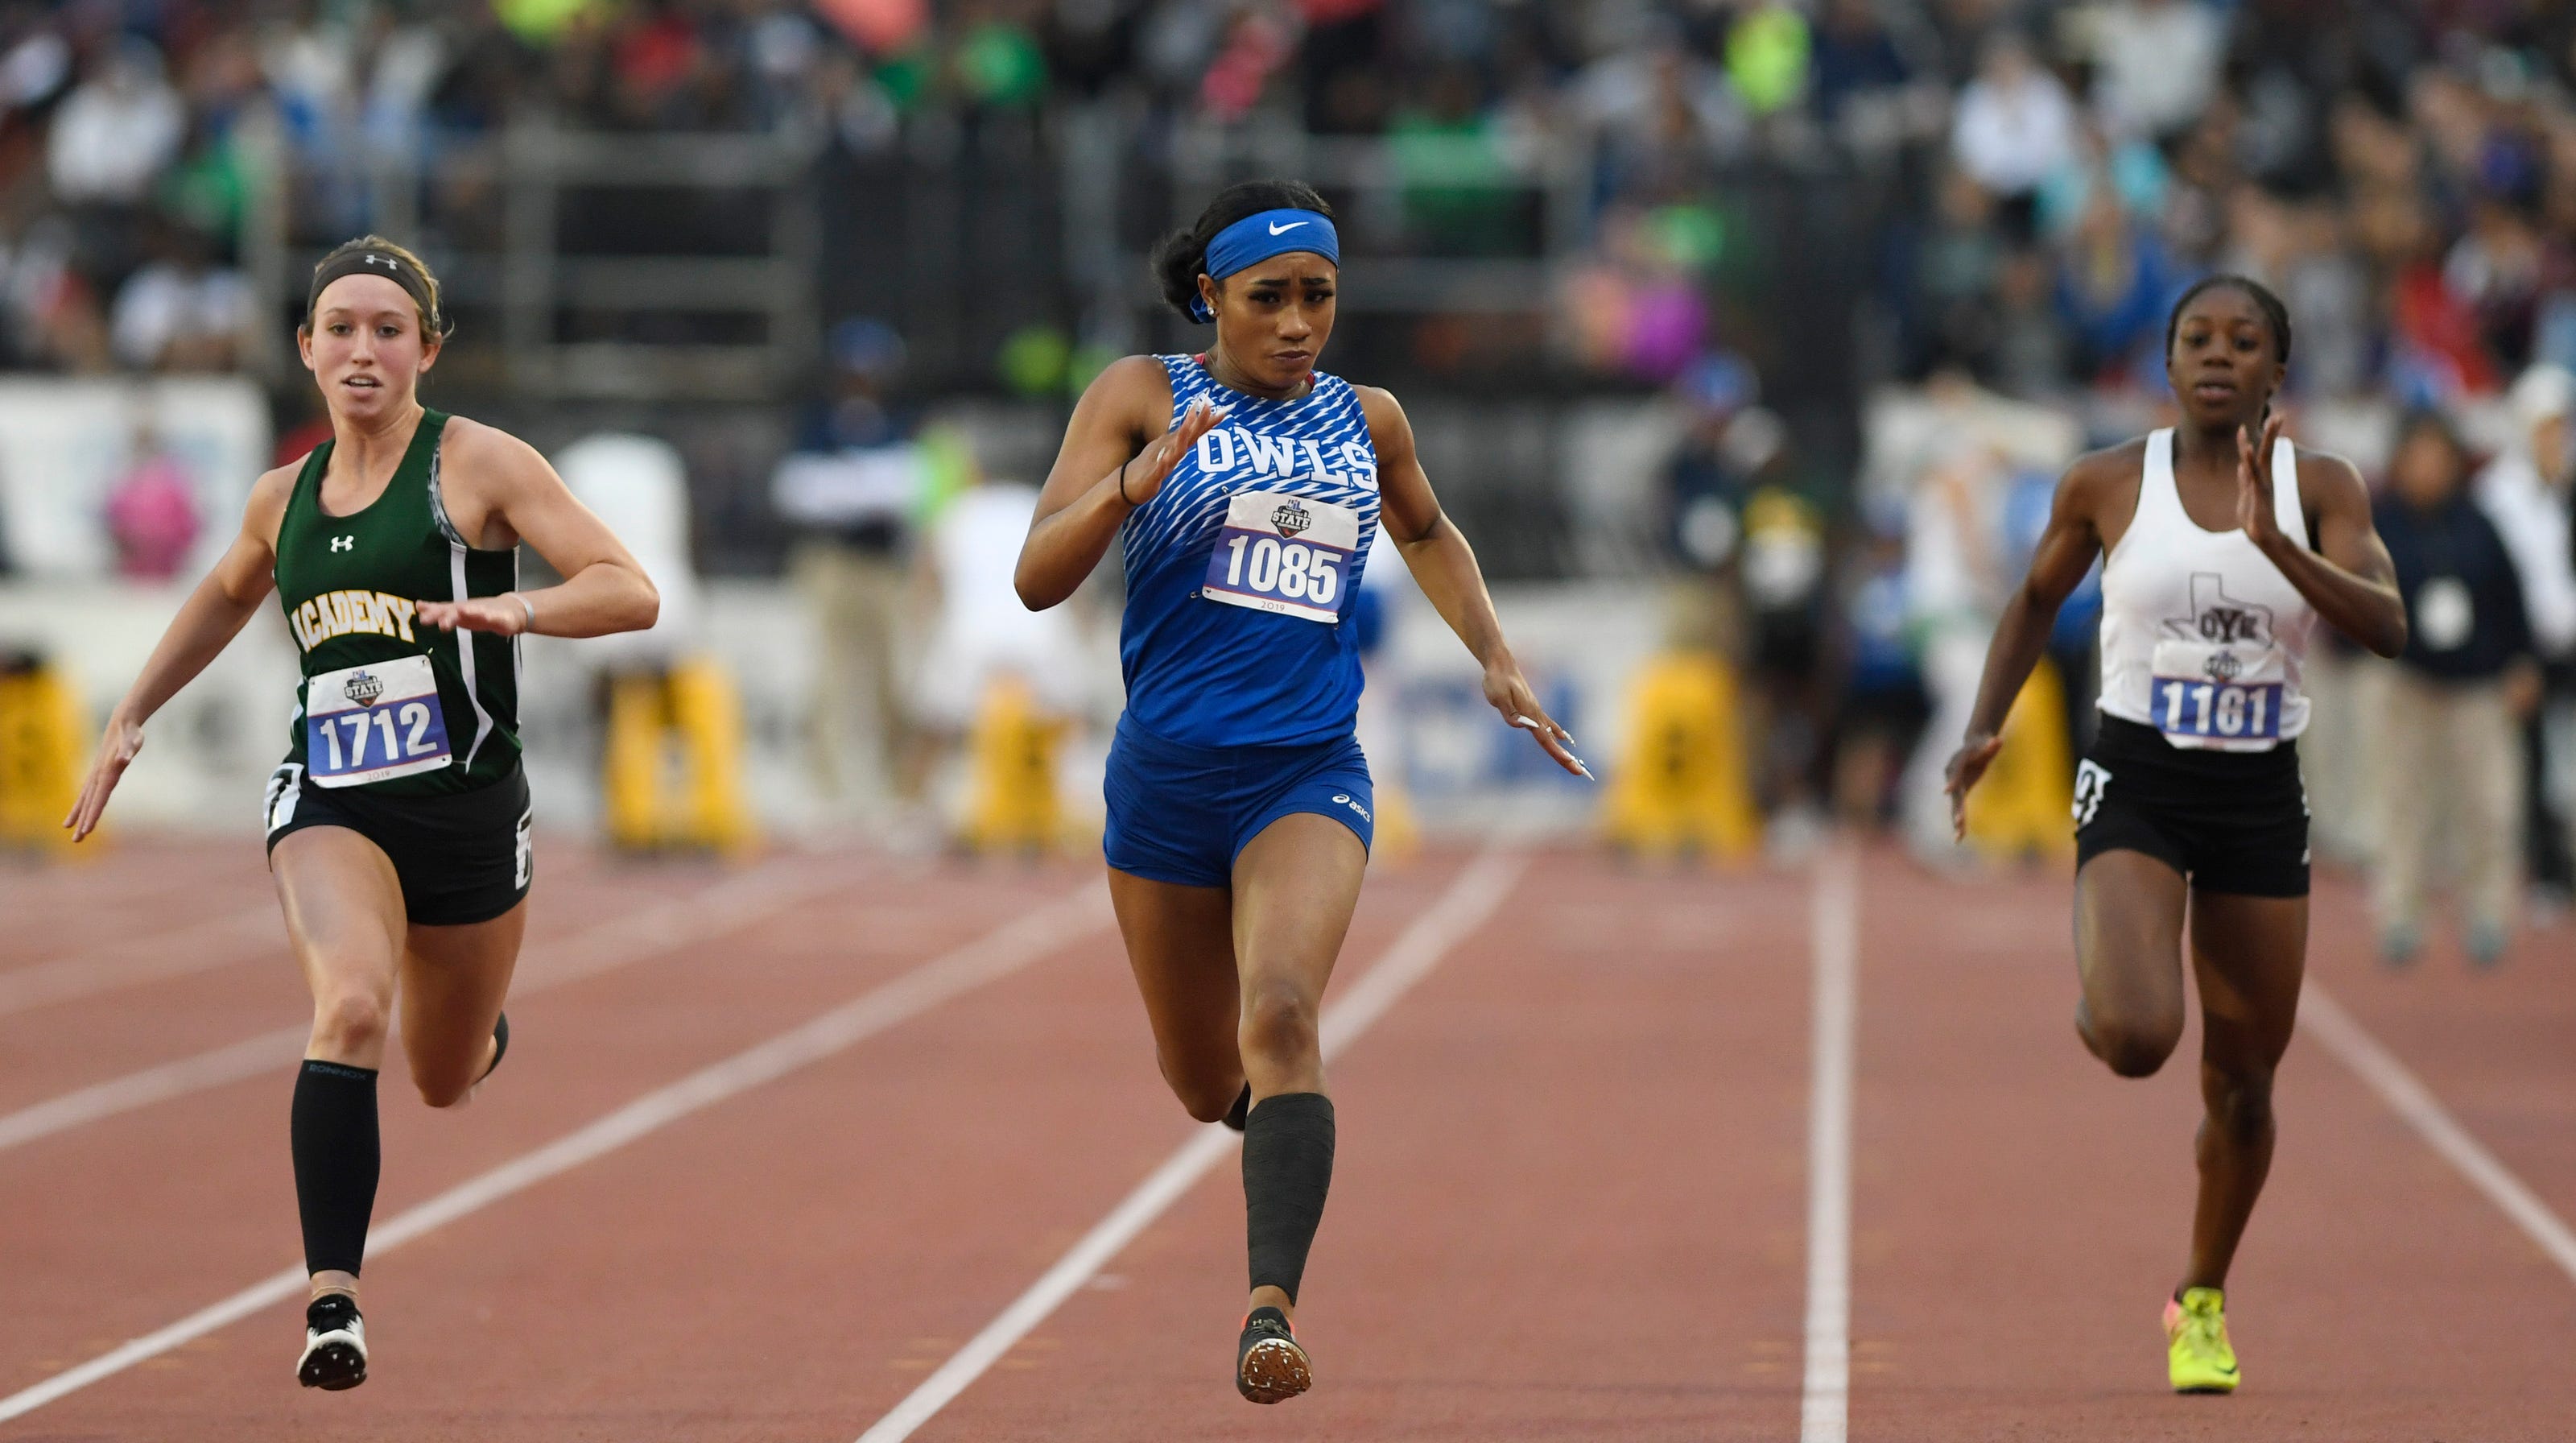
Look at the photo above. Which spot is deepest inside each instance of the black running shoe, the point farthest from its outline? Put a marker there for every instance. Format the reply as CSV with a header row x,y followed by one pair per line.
x,y
1269,1366
335,1344
1242,1108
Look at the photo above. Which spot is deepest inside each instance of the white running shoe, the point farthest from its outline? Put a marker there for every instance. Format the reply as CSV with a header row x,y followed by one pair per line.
x,y
335,1344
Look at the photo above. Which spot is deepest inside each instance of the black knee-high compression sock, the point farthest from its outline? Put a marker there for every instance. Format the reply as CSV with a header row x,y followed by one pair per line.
x,y
1287,1169
337,1158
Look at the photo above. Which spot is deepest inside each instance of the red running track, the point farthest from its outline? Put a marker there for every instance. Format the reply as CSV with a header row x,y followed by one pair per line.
x,y
1571,1201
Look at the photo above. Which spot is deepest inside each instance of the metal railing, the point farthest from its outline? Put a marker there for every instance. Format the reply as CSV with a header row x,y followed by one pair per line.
x,y
565,315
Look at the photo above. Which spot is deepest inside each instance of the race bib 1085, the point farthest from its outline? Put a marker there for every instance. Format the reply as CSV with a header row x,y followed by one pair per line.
x,y
1284,554
2217,697
373,723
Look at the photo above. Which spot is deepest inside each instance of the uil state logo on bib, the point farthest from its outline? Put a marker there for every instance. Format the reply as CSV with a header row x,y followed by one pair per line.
x,y
1284,555
2218,674
373,723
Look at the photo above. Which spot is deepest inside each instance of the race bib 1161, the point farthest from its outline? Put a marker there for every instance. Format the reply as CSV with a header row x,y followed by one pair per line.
x,y
1284,554
2217,696
373,723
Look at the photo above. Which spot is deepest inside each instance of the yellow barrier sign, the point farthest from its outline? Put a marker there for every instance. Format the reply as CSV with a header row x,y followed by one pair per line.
x,y
671,770
2025,804
40,755
1680,785
1011,753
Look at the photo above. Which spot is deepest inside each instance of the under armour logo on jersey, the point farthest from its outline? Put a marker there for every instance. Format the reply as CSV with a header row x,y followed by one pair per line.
x,y
344,543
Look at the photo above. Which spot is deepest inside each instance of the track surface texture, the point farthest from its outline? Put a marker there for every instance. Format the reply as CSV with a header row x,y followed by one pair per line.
x,y
1571,1202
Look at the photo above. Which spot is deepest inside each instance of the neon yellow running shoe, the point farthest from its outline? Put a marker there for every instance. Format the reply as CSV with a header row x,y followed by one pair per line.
x,y
2197,1356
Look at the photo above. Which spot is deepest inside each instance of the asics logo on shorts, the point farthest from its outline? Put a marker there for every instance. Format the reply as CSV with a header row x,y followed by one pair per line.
x,y
1345,799
2092,779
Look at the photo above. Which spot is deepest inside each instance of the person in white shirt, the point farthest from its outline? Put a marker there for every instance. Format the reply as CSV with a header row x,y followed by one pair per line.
x,y
2525,492
2015,126
181,314
2156,63
114,135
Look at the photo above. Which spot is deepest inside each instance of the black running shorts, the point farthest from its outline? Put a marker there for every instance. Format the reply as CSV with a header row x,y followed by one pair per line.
x,y
462,858
2233,822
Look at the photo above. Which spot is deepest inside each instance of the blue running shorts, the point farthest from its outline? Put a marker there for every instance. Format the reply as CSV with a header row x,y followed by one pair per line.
x,y
1179,813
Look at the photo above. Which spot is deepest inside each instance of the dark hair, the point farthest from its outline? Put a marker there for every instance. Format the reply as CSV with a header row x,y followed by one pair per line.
x,y
2421,419
1178,258
401,267
2275,314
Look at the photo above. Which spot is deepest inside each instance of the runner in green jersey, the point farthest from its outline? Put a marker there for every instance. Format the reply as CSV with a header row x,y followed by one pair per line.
x,y
398,824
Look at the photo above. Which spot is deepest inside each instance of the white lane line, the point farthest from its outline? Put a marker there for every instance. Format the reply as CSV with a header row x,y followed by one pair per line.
x,y
997,954
2352,1044
1824,1412
1469,901
736,902
200,946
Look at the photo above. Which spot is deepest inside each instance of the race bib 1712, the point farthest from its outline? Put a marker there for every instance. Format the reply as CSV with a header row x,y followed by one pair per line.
x,y
373,723
1284,554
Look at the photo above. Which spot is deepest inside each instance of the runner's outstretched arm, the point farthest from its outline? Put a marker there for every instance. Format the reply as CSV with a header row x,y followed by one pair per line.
x,y
2067,550
207,622
1444,565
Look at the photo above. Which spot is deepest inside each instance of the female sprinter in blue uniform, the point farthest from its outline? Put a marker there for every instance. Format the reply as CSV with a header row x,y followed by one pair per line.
x,y
1246,487
2222,544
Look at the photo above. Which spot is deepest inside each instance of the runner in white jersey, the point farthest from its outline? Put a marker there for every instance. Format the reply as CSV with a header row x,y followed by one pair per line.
x,y
2222,545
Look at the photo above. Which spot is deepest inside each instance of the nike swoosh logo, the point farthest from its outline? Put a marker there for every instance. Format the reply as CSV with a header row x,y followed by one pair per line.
x,y
1281,229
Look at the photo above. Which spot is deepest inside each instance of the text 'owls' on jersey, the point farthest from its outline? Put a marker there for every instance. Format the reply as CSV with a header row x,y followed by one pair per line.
x,y
1240,570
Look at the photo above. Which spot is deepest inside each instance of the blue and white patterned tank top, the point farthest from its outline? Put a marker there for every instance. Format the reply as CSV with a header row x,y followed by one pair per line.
x,y
1241,570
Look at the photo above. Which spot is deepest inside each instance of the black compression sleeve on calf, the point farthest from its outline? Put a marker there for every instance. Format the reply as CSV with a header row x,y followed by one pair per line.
x,y
1287,1169
337,1157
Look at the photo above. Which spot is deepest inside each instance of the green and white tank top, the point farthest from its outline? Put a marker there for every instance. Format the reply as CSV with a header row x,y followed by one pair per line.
x,y
389,702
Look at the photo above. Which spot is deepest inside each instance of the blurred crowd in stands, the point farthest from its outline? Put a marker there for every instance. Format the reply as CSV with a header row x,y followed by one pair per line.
x,y
2014,192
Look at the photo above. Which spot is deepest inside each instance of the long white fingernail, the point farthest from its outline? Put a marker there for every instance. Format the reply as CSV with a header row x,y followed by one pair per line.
x,y
1522,721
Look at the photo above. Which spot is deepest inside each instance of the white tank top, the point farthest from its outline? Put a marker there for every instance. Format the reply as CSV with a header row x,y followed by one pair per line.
x,y
2203,638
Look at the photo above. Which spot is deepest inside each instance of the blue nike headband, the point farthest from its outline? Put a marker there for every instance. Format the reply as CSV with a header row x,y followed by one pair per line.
x,y
1258,237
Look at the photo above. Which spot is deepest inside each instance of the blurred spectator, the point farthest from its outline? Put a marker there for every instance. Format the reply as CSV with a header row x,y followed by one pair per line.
x,y
2446,758
1706,483
2015,125
639,486
1659,111
1880,714
852,489
152,512
1955,273
179,313
114,133
981,633
34,70
2524,492
2156,63
1855,58
53,309
2114,289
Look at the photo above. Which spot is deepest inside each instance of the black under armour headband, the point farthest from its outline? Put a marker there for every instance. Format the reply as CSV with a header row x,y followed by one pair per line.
x,y
377,263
